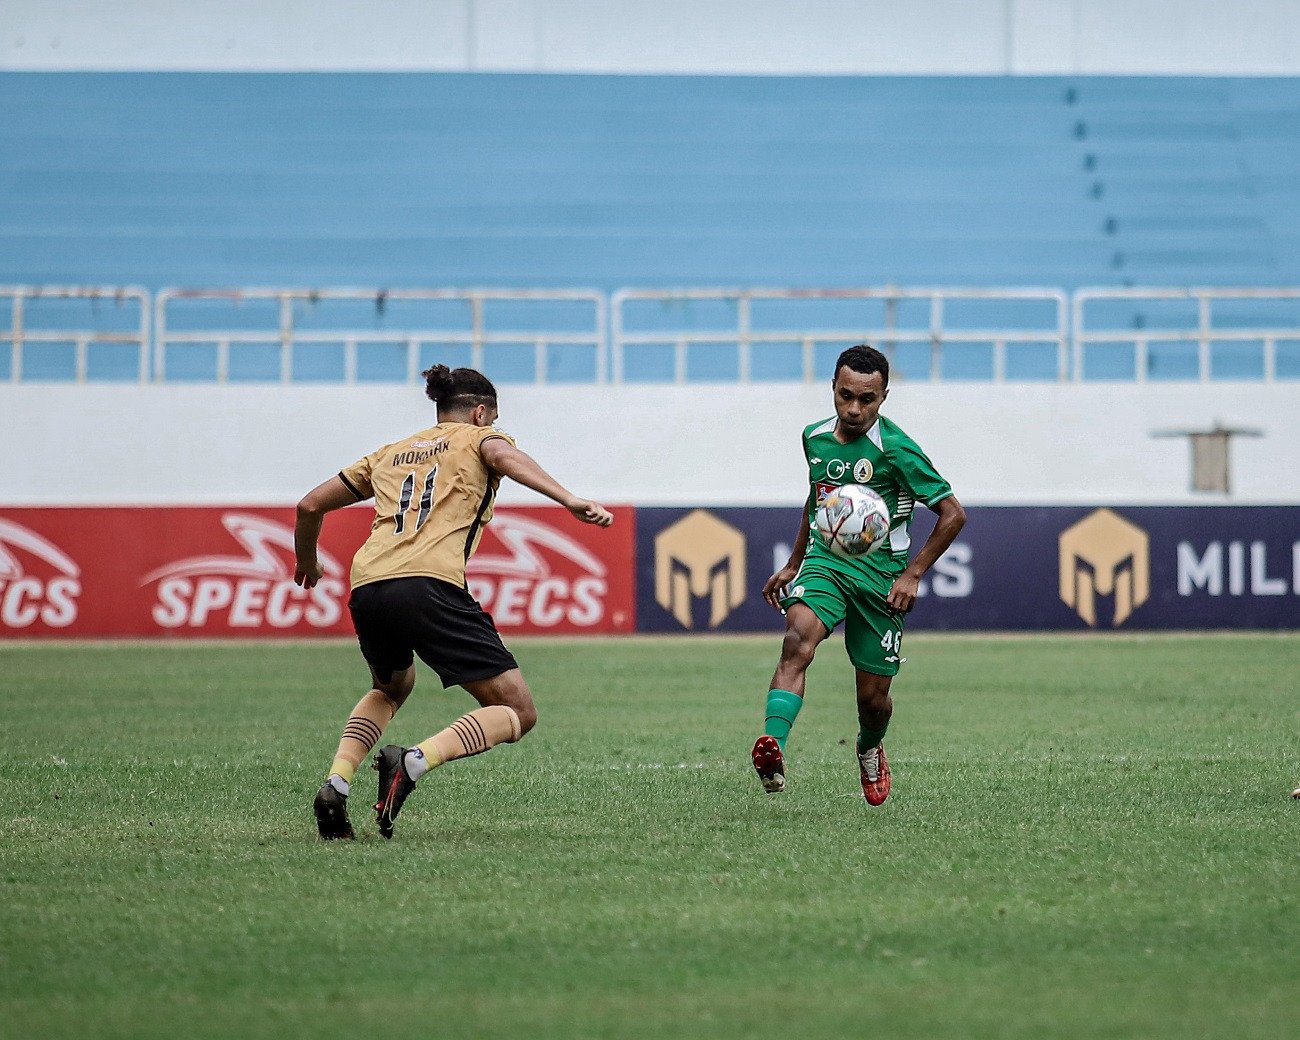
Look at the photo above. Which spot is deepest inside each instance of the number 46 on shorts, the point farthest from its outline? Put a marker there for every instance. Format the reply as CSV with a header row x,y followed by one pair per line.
x,y
892,643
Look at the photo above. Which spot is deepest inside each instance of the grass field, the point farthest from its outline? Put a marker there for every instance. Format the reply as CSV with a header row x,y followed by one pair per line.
x,y
1087,838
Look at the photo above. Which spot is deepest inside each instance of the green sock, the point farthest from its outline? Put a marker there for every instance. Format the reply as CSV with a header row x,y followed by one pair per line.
x,y
869,738
782,709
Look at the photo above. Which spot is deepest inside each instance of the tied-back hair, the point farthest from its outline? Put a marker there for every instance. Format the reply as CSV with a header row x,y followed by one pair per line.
x,y
866,359
454,388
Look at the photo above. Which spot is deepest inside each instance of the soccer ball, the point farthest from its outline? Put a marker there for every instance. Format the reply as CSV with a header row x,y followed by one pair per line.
x,y
852,521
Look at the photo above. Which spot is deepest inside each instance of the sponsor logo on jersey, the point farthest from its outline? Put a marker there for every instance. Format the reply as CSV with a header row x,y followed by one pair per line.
x,y
414,458
542,577
862,470
39,582
700,555
1103,555
251,591
836,468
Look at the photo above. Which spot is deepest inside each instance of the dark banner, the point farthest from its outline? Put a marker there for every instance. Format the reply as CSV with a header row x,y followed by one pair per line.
x,y
1012,567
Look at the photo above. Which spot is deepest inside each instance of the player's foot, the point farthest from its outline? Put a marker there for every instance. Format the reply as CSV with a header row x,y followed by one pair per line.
x,y
874,768
332,814
769,764
394,786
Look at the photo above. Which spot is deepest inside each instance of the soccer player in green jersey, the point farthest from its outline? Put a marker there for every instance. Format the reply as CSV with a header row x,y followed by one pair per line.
x,y
871,594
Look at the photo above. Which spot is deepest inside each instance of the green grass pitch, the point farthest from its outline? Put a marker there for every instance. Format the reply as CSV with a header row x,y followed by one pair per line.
x,y
1088,837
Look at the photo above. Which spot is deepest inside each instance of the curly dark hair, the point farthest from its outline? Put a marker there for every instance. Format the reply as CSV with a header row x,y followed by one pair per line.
x,y
451,388
866,359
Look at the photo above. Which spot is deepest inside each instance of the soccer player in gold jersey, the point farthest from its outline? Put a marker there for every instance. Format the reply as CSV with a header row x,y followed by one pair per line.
x,y
433,494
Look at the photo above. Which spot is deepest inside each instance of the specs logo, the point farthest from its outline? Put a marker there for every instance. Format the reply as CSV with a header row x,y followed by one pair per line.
x,y
39,582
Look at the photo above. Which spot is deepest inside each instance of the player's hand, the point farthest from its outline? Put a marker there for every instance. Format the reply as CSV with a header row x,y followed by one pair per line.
x,y
308,576
591,512
777,582
902,595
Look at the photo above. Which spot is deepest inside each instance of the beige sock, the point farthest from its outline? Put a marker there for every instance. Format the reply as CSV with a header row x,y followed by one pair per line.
x,y
472,734
373,712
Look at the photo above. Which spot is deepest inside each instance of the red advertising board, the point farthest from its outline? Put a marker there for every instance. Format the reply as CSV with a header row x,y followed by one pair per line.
x,y
228,571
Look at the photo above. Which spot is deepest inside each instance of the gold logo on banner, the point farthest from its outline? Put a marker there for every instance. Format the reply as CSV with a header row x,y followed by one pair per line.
x,y
1105,554
700,555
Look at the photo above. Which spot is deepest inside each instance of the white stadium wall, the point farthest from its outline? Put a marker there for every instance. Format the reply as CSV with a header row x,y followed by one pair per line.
x,y
640,445
1187,37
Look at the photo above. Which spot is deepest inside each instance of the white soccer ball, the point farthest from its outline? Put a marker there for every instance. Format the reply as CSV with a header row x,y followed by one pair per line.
x,y
852,521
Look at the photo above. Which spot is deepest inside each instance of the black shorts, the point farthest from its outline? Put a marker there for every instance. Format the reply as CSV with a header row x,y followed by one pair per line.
x,y
401,617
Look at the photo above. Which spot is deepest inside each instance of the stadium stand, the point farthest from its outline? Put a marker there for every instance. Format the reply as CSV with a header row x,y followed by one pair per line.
x,y
157,179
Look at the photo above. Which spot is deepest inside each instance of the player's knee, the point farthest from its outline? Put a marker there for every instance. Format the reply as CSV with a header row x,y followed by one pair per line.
x,y
393,686
397,692
519,699
527,713
875,706
797,648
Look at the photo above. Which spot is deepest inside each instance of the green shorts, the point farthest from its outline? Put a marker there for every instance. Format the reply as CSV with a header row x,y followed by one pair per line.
x,y
873,631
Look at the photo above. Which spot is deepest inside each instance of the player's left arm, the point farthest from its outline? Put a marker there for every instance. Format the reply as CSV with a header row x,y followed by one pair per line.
x,y
322,499
504,458
952,517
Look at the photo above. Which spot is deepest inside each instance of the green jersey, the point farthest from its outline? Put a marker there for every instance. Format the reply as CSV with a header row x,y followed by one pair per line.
x,y
889,462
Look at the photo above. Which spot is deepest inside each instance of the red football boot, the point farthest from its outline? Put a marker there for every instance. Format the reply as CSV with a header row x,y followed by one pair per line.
x,y
769,764
874,768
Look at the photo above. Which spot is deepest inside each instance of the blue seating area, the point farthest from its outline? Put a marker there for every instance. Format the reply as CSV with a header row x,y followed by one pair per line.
x,y
223,179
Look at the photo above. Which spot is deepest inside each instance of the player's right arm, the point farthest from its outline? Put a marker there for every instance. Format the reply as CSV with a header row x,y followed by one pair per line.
x,y
504,458
783,577
322,499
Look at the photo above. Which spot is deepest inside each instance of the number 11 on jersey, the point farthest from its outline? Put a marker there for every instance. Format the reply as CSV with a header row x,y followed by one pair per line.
x,y
408,493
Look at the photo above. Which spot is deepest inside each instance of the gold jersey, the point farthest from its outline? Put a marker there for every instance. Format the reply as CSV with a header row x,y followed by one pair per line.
x,y
433,494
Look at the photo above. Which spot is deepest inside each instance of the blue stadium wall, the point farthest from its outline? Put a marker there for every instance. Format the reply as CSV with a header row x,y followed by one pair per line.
x,y
388,179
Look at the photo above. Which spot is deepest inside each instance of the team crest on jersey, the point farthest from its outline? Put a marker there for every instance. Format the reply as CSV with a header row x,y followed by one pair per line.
x,y
862,470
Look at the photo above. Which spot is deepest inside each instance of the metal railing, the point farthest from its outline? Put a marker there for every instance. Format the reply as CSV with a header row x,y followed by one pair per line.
x,y
1068,334
889,334
1203,332
476,334
18,333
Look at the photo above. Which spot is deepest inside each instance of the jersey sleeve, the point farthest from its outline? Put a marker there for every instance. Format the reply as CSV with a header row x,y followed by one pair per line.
x,y
918,474
357,477
487,433
810,504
